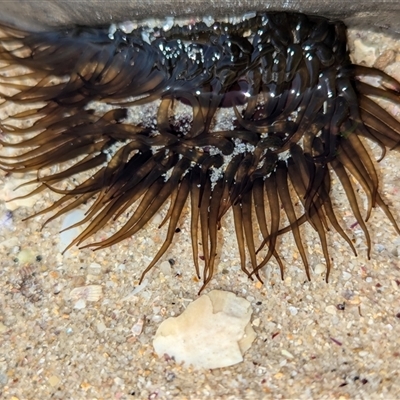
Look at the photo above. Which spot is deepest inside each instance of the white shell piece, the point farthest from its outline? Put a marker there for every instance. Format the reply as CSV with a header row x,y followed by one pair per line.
x,y
140,287
213,332
138,327
86,293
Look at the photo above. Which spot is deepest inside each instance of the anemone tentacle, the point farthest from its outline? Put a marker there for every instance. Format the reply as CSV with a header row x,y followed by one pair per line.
x,y
300,109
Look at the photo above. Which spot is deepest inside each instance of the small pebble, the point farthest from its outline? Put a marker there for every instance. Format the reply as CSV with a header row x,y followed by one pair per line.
x,y
54,380
57,288
80,304
385,59
346,275
293,310
165,268
100,326
3,379
287,354
26,256
121,267
331,310
94,269
319,269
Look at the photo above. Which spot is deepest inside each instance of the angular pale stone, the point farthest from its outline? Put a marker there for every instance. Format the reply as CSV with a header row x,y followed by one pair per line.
x,y
213,332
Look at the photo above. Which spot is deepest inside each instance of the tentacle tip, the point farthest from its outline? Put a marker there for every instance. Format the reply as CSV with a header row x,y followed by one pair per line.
x,y
201,289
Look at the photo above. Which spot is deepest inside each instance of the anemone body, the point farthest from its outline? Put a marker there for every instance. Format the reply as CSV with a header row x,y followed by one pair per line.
x,y
301,110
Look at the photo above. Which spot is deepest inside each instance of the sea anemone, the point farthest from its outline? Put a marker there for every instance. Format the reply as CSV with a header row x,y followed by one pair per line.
x,y
301,113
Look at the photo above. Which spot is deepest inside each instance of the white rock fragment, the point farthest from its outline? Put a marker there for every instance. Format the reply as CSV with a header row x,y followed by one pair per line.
x,y
208,20
111,30
213,332
364,52
169,23
127,26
